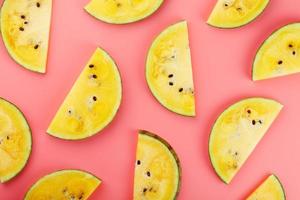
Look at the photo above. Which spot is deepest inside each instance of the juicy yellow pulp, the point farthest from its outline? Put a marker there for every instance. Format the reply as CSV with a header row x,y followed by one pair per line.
x,y
235,13
122,11
236,133
157,171
25,26
271,189
64,185
15,141
93,101
169,70
279,55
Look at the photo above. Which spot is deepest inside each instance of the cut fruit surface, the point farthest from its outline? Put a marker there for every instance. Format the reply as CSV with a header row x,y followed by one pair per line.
x,y
279,55
270,189
93,101
236,133
169,70
15,141
157,170
236,13
64,184
122,11
25,26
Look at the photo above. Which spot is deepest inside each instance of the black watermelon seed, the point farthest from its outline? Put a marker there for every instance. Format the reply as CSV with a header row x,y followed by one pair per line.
x,y
144,190
7,137
95,76
91,66
170,75
294,52
290,45
94,98
225,4
36,46
21,29
26,22
148,174
138,162
249,111
38,4
280,62
180,89
260,121
23,16
253,122
171,83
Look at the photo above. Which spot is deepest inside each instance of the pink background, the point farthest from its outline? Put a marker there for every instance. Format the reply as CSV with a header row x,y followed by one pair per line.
x,y
222,67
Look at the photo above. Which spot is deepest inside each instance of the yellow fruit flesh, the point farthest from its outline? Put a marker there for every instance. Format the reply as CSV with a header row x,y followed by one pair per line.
x,y
279,55
64,185
169,70
271,189
25,27
15,141
236,133
235,13
93,101
157,171
122,11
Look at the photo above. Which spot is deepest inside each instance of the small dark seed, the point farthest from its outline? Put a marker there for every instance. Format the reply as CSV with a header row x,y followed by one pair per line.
x,y
294,52
148,174
38,4
21,29
253,122
170,75
236,153
171,83
239,9
226,4
26,22
144,190
95,76
7,137
260,121
280,62
138,162
94,98
91,66
249,111
36,46
290,45
150,189
180,89
23,16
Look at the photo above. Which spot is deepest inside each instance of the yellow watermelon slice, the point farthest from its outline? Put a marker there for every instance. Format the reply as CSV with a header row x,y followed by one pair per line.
x,y
157,170
15,141
93,101
63,185
278,55
25,26
270,189
169,70
122,11
236,133
236,13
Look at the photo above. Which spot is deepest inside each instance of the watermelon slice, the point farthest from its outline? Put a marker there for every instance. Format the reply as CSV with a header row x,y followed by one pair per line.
x,y
278,55
236,13
122,11
270,189
93,101
15,141
64,184
157,170
25,26
236,133
169,70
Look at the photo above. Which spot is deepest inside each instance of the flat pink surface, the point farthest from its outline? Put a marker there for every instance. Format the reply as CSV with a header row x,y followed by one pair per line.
x,y
222,66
